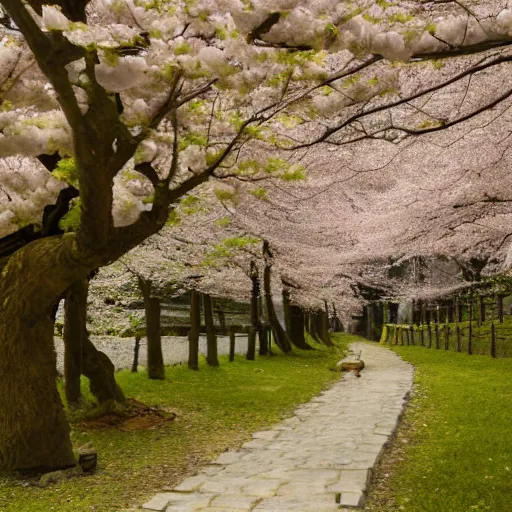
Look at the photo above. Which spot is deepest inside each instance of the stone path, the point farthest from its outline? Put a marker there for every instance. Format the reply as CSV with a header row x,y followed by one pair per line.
x,y
320,460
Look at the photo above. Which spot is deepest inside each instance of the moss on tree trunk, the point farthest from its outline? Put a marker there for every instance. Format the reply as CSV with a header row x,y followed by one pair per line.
x,y
34,431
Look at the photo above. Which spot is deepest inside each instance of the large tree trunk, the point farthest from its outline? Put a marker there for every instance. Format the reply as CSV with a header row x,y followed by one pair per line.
x,y
294,321
154,341
195,327
211,338
75,311
313,326
297,327
34,432
324,329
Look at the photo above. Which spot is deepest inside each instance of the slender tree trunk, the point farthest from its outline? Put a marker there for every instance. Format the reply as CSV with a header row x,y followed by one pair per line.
x,y
211,338
280,337
232,341
256,309
195,327
135,364
154,341
286,310
307,323
95,365
294,322
325,329
313,326
262,333
251,344
75,330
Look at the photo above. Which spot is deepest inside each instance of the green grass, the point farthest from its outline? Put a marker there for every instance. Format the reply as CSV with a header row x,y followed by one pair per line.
x,y
454,450
217,409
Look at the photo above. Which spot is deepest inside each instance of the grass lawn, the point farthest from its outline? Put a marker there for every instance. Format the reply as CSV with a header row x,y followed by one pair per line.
x,y
453,452
218,408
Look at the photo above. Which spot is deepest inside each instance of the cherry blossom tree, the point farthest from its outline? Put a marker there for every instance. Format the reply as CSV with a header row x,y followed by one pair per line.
x,y
132,105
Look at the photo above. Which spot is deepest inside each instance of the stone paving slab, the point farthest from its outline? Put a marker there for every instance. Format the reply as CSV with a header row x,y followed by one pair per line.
x,y
320,460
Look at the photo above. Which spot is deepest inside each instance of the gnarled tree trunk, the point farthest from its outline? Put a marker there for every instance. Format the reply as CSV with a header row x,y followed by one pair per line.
x,y
100,371
34,432
154,340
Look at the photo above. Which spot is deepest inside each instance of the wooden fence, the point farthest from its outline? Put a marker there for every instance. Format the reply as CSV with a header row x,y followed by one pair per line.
x,y
489,338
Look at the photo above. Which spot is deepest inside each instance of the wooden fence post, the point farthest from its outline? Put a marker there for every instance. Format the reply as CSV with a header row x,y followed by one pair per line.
x,y
458,339
446,337
429,336
412,334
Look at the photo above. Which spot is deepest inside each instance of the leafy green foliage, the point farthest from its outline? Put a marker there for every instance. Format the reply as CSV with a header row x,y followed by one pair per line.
x,y
228,248
71,220
66,171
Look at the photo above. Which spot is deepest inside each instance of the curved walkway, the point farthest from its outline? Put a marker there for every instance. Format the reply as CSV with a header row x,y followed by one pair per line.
x,y
317,460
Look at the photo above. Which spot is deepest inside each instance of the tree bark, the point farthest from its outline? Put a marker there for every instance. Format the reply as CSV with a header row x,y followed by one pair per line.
x,y
297,328
211,338
256,307
95,365
313,326
100,371
280,337
34,432
251,344
135,364
195,327
232,341
323,328
75,330
154,341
